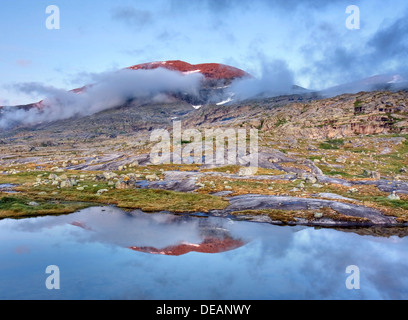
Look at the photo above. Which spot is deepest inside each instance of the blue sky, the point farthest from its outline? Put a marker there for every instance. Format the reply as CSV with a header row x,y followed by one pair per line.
x,y
309,37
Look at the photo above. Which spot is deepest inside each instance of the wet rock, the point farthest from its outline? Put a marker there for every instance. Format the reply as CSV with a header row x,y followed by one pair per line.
x,y
257,202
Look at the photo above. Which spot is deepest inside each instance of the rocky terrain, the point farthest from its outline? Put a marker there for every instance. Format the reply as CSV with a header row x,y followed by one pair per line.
x,y
335,162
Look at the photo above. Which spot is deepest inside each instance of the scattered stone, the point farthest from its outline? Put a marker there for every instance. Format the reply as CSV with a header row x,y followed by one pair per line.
x,y
66,184
393,196
318,215
121,184
317,185
134,164
80,188
375,175
109,175
352,190
247,171
101,191
33,204
311,179
152,177
301,176
341,159
371,174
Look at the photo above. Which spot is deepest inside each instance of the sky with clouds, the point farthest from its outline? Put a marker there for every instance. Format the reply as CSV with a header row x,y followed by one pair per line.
x,y
308,37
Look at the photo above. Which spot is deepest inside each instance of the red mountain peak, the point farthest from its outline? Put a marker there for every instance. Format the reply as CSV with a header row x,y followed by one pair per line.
x,y
209,70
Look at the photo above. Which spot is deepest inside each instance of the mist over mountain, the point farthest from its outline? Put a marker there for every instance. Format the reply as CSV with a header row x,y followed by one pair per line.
x,y
171,82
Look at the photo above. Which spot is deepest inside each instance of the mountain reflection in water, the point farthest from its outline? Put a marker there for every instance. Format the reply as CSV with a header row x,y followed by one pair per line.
x,y
169,259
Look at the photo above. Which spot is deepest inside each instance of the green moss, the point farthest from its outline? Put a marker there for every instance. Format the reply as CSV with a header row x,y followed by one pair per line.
x,y
332,144
13,206
357,103
403,204
280,122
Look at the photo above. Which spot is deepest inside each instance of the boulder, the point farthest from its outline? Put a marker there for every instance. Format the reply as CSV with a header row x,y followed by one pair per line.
x,y
101,191
52,176
393,196
152,177
33,204
66,184
247,171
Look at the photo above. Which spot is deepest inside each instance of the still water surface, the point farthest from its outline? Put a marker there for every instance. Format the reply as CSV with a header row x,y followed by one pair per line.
x,y
92,249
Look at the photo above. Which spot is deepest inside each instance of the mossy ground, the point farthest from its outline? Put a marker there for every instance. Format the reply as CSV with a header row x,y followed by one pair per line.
x,y
347,159
67,200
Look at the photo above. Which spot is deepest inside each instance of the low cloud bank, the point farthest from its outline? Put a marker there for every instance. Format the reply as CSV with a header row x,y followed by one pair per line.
x,y
108,91
275,79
